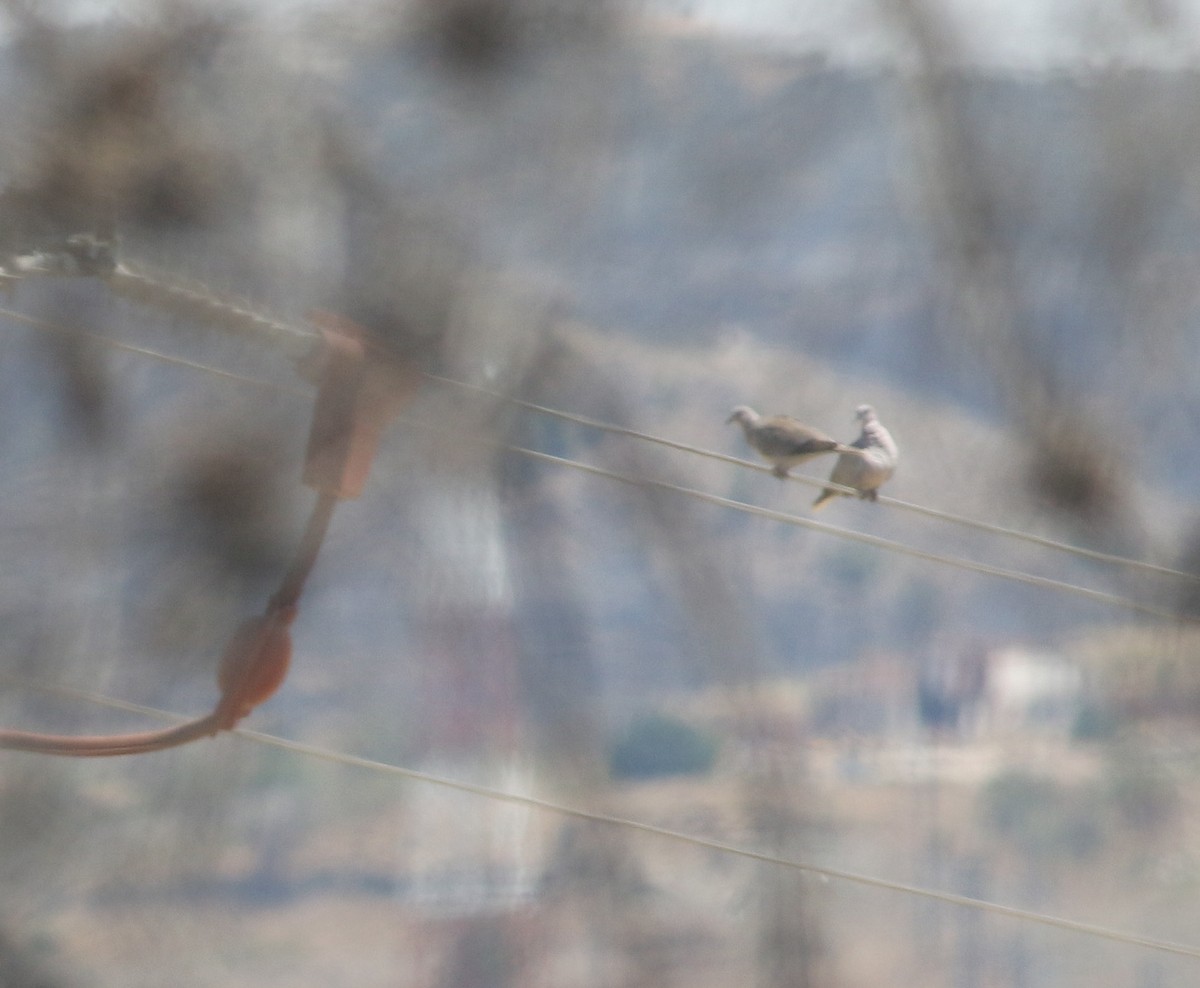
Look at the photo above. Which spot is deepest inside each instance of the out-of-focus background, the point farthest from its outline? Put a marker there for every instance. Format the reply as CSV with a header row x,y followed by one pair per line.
x,y
644,738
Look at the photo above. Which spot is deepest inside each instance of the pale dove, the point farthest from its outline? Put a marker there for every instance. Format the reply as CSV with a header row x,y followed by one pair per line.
x,y
865,471
781,439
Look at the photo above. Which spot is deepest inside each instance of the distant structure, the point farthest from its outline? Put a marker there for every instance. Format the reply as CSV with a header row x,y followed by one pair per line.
x,y
997,693
1038,693
960,694
469,863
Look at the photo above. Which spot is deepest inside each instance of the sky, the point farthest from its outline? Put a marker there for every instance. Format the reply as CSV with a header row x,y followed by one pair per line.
x,y
1014,35
1019,35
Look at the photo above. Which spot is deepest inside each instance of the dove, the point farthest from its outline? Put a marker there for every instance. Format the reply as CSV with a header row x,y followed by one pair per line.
x,y
871,462
782,440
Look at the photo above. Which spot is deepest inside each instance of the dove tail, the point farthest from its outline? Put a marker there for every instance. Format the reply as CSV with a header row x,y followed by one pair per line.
x,y
850,450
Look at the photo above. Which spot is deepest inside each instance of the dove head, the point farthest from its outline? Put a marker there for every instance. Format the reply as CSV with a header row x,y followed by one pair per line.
x,y
743,414
864,413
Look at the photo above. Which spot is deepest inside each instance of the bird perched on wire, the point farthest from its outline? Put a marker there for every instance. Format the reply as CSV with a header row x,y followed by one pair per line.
x,y
783,440
872,462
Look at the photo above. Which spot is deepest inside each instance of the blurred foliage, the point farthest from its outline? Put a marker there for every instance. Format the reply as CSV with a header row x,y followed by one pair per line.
x,y
1054,821
1043,818
658,745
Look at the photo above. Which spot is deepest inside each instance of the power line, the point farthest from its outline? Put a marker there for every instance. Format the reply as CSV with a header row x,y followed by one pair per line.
x,y
626,823
853,536
883,499
768,513
165,358
199,301
783,517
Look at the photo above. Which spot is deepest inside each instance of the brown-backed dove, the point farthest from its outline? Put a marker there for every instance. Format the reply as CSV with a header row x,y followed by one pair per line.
x,y
781,439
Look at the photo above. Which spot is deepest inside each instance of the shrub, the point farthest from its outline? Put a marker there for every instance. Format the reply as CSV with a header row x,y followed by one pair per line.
x,y
1043,818
657,745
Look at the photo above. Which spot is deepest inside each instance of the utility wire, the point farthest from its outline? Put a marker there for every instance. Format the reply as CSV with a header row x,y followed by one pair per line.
x,y
783,517
853,536
106,341
752,509
199,302
626,823
196,300
813,482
